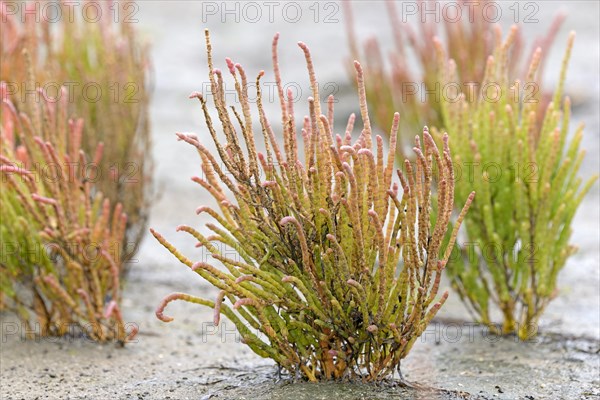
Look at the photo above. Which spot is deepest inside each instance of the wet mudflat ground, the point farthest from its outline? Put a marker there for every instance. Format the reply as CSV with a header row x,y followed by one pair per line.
x,y
190,359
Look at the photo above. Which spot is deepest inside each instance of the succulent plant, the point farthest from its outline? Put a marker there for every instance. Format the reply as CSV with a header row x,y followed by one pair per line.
x,y
61,239
392,85
105,69
517,153
338,271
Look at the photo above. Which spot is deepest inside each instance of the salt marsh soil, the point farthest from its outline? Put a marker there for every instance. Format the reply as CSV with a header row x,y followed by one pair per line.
x,y
189,359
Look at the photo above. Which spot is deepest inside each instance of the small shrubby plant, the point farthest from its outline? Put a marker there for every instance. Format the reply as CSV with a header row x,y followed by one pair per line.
x,y
61,239
393,85
339,268
105,69
524,167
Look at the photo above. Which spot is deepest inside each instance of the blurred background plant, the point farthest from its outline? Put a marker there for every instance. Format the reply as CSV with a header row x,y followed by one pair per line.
x,y
396,84
336,274
61,238
105,68
518,154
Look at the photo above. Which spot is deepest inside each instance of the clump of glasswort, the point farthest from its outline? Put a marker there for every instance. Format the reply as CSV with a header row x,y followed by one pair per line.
x,y
392,85
61,238
521,221
338,269
105,68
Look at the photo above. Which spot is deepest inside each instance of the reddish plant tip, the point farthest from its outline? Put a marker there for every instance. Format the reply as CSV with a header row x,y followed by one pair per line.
x,y
45,200
244,302
110,309
159,314
197,265
366,152
244,278
230,65
202,209
287,220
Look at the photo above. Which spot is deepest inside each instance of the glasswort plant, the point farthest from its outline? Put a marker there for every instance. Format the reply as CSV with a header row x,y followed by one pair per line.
x,y
393,85
61,239
521,220
105,68
339,271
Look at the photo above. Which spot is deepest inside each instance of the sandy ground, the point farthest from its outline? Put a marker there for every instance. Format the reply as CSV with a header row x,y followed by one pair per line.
x,y
189,359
